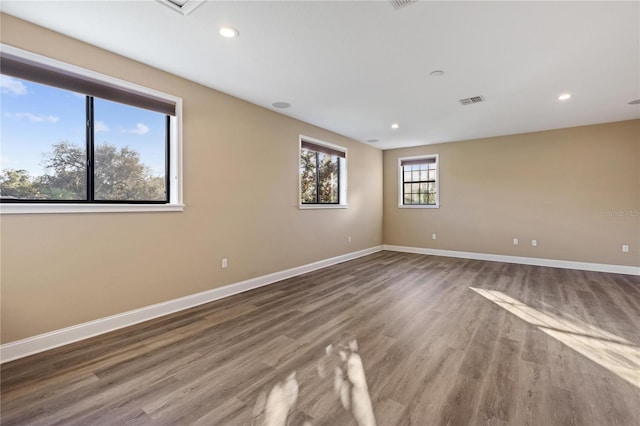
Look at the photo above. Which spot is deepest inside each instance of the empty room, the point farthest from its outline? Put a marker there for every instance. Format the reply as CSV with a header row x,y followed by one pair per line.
x,y
306,213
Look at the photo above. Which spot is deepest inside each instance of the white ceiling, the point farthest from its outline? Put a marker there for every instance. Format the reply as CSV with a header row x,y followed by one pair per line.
x,y
355,67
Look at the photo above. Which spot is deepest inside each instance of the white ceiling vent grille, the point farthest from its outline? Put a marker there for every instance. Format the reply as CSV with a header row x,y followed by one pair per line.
x,y
397,4
183,7
472,100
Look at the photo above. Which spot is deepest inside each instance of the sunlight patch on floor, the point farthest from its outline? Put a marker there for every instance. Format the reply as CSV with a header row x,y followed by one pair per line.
x,y
612,352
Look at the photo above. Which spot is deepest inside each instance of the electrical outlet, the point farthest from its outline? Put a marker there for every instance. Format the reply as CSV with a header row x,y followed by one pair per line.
x,y
349,239
625,248
534,243
515,241
433,236
224,263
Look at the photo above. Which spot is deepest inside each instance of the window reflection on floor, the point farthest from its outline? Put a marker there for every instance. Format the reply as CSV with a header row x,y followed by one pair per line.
x,y
350,388
612,352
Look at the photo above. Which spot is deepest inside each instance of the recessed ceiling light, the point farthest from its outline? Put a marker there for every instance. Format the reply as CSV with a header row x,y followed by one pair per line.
x,y
436,73
564,96
395,125
636,102
229,32
281,104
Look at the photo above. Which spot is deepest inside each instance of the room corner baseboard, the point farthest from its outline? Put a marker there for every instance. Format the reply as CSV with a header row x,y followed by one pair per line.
x,y
43,342
553,263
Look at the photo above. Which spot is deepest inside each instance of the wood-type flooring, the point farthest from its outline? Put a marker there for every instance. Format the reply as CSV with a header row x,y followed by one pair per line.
x,y
443,341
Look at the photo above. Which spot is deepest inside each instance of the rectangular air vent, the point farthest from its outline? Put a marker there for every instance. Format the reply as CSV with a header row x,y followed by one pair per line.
x,y
472,100
397,4
183,7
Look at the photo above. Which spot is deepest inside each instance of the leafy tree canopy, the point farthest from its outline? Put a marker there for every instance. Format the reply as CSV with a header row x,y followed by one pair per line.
x,y
118,175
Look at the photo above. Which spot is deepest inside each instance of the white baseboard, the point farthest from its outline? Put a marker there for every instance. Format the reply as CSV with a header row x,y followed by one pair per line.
x,y
567,264
42,342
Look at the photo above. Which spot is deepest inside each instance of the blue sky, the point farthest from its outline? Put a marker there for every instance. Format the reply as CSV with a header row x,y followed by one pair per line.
x,y
33,117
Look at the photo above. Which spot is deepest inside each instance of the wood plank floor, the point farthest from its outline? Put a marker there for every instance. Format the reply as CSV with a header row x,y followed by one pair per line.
x,y
443,341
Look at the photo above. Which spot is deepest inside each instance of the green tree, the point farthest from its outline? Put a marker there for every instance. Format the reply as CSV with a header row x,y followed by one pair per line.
x,y
66,177
308,176
319,177
118,175
328,178
17,184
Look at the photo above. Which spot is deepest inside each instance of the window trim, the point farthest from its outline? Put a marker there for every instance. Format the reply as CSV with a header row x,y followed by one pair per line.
x,y
401,204
342,176
175,177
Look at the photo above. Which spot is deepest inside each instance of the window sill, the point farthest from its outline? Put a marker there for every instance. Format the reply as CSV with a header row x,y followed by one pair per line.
x,y
322,206
418,206
37,208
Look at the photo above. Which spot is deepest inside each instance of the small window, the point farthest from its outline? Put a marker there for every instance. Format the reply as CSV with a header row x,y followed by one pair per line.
x,y
418,180
72,137
322,174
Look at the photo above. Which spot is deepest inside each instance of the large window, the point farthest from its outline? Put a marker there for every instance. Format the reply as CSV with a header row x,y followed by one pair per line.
x,y
322,174
74,137
418,180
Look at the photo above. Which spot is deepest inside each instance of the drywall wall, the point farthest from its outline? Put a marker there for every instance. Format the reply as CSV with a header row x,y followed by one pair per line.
x,y
576,191
240,191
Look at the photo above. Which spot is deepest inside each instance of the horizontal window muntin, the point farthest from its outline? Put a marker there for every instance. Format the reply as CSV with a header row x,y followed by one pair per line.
x,y
322,172
164,109
418,181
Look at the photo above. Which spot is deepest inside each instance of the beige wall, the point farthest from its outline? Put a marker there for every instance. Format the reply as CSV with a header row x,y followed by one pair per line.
x,y
65,269
555,186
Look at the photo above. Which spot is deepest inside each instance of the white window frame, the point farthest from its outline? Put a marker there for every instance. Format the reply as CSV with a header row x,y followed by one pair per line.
x,y
175,149
401,189
342,196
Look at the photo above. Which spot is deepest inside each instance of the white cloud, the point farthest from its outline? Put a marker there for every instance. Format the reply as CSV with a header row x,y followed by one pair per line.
x,y
140,129
100,126
34,118
12,86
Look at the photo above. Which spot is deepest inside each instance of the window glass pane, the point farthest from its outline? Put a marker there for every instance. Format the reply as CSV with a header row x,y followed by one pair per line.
x,y
308,176
43,151
130,153
328,178
419,183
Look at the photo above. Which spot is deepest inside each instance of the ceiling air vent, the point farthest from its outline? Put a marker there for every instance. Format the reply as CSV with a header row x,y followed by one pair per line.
x,y
183,7
472,100
397,4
